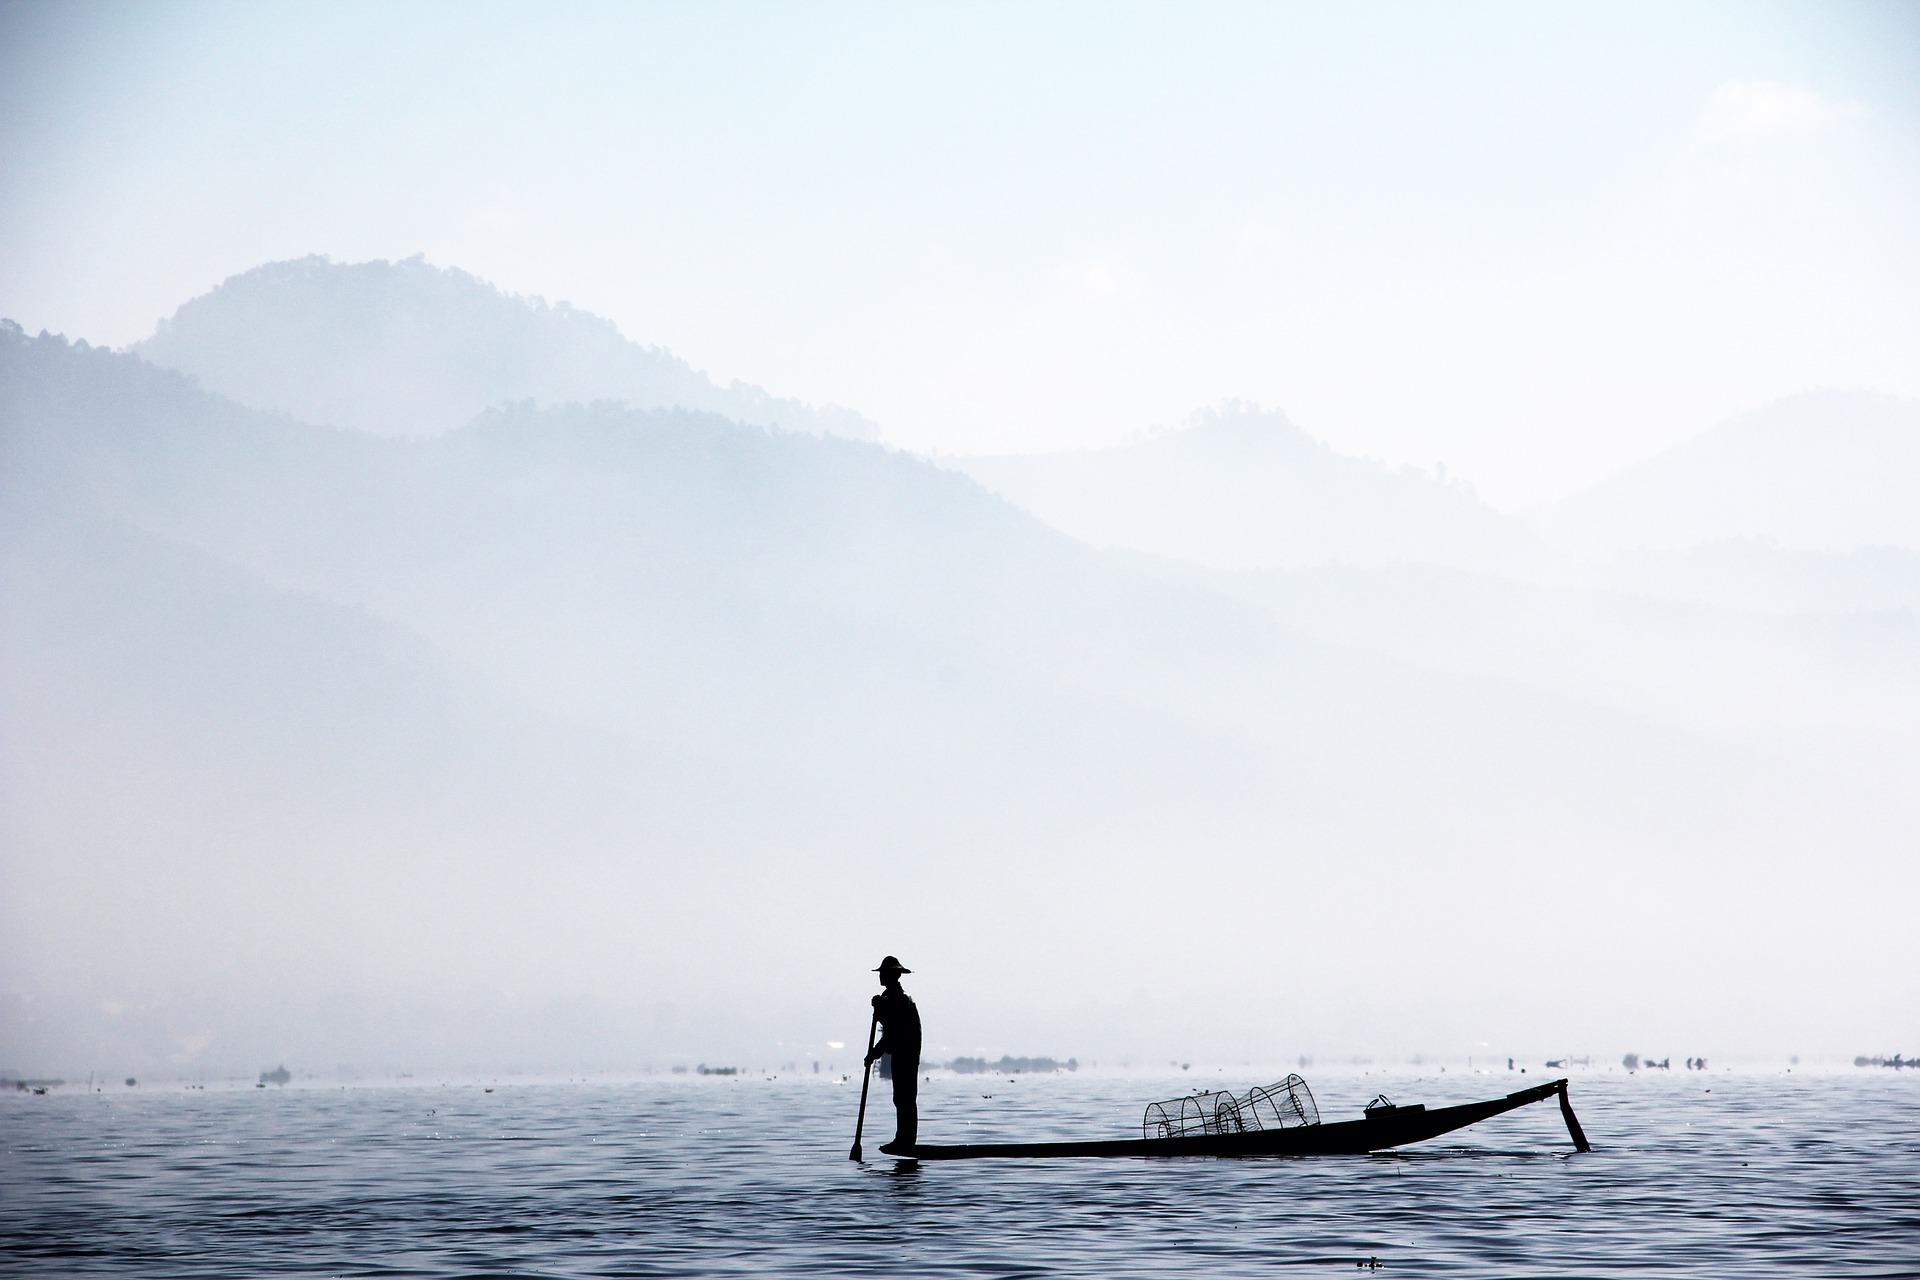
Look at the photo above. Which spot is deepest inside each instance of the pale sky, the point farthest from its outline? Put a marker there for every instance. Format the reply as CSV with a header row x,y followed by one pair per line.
x,y
1532,241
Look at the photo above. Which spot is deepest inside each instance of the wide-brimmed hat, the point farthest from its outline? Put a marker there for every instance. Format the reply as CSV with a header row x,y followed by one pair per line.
x,y
892,964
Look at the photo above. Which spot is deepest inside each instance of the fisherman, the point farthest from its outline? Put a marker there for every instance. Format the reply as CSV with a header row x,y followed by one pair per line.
x,y
901,1038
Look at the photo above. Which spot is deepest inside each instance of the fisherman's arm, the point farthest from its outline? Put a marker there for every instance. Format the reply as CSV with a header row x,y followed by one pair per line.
x,y
883,1046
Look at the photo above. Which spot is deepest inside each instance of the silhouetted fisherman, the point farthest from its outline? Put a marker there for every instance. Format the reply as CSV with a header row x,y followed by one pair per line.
x,y
900,1038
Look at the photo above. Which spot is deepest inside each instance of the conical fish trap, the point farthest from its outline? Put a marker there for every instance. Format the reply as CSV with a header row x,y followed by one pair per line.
x,y
1286,1105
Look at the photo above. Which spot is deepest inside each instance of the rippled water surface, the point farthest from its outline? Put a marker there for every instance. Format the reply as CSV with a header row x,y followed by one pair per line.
x,y
1729,1175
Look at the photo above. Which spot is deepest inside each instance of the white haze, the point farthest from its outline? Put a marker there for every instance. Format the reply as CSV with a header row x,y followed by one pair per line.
x,y
404,672
596,736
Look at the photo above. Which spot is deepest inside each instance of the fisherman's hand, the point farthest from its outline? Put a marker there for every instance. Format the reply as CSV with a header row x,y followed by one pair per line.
x,y
877,999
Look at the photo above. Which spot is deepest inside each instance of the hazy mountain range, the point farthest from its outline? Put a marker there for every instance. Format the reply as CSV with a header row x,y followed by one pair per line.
x,y
405,348
1737,515
1238,487
1822,471
599,733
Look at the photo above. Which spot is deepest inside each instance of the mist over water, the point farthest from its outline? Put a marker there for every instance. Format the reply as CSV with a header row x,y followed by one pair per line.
x,y
538,544
542,544
594,735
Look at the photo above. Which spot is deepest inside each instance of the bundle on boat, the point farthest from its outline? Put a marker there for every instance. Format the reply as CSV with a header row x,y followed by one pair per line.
x,y
1286,1105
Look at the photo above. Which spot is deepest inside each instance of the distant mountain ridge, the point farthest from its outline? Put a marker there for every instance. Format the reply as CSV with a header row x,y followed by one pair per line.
x,y
708,585
661,704
1816,471
410,349
1238,487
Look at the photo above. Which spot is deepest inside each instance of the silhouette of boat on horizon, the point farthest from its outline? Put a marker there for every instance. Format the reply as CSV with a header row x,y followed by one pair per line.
x,y
1246,1127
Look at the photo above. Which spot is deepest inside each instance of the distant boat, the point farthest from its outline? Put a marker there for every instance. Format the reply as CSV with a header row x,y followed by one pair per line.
x,y
1384,1125
279,1075
1896,1062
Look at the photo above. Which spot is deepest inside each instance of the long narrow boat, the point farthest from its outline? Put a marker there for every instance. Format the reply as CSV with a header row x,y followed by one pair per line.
x,y
1382,1128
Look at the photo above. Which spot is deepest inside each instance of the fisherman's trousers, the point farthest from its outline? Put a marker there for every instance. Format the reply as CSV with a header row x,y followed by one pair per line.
x,y
906,1100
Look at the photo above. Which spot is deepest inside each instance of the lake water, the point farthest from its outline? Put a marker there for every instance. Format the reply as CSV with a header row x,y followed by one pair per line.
x,y
1692,1174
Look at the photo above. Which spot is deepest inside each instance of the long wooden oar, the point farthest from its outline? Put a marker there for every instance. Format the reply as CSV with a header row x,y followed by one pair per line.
x,y
866,1079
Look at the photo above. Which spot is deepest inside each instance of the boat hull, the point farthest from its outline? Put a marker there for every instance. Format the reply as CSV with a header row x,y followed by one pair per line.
x,y
1396,1128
